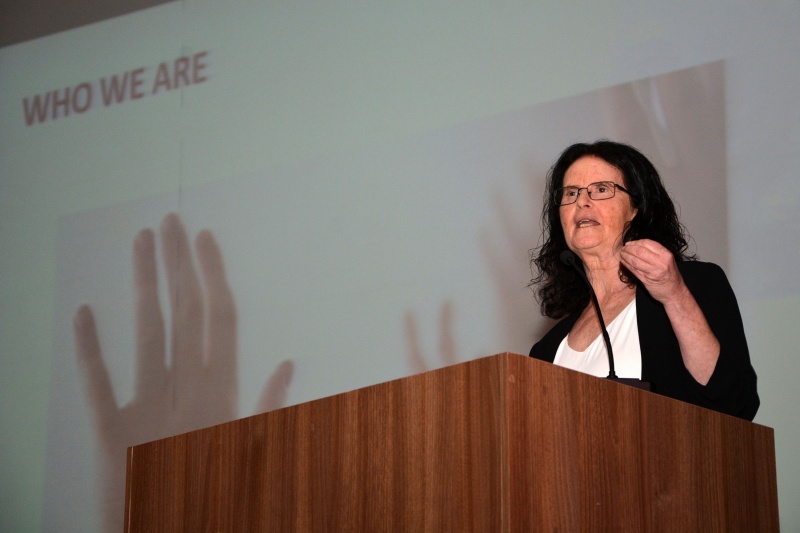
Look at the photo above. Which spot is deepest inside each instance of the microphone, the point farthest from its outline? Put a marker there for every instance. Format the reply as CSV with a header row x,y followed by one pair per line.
x,y
568,258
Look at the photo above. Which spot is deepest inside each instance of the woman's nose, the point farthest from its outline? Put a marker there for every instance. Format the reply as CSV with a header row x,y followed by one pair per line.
x,y
583,197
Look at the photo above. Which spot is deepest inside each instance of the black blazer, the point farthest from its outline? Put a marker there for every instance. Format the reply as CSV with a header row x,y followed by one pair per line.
x,y
732,387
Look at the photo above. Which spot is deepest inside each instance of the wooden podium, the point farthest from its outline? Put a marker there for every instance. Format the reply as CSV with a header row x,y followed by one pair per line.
x,y
499,444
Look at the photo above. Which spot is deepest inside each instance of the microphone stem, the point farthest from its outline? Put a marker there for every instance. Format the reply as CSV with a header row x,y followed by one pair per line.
x,y
568,258
611,373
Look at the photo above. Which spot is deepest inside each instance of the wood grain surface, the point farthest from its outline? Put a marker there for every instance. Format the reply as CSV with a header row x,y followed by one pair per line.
x,y
503,443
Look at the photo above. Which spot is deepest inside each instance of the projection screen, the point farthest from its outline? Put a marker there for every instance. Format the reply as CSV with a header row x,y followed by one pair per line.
x,y
266,203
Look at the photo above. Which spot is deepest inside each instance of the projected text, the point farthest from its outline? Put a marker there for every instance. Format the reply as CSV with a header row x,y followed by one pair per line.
x,y
116,89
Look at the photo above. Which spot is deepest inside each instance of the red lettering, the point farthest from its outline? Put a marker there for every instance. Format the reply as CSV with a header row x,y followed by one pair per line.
x,y
56,104
185,71
36,109
181,72
116,89
85,90
162,78
136,82
197,67
113,90
60,102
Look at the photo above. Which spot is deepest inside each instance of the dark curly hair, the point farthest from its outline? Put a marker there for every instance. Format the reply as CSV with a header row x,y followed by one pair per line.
x,y
558,288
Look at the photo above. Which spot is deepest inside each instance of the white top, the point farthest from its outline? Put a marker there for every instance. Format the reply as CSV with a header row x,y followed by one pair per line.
x,y
624,335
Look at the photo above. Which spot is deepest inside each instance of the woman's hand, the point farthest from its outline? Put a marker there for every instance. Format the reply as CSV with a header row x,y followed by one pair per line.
x,y
655,267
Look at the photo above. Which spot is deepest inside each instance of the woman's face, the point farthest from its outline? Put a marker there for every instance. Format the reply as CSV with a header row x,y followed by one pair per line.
x,y
594,227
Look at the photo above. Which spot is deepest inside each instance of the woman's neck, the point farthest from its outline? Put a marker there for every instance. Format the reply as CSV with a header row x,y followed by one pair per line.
x,y
605,279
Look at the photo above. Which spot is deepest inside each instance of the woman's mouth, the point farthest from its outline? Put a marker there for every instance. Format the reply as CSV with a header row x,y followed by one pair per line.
x,y
585,223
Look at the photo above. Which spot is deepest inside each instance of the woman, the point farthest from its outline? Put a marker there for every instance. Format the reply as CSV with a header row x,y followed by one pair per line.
x,y
673,321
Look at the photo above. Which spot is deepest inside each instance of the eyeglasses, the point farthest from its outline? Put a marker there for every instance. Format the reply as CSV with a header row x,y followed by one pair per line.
x,y
601,190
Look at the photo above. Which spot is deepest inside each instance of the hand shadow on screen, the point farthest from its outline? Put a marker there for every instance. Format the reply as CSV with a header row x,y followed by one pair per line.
x,y
677,119
190,385
507,254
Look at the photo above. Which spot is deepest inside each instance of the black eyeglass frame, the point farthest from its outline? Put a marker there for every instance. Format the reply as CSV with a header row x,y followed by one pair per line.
x,y
558,194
